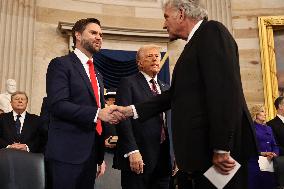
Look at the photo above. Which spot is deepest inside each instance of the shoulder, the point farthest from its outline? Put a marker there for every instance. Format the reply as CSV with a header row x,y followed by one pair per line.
x,y
63,59
163,84
32,116
130,79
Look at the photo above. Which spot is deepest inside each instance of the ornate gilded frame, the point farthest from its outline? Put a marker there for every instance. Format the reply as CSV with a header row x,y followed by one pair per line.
x,y
267,24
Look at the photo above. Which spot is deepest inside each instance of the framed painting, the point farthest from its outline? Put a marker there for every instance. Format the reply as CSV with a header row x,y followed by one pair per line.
x,y
271,35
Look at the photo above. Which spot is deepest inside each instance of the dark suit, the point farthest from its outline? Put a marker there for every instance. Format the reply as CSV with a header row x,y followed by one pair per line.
x,y
74,147
145,137
278,130
31,134
207,102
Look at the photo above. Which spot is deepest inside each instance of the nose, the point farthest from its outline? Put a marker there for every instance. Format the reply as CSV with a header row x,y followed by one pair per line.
x,y
165,25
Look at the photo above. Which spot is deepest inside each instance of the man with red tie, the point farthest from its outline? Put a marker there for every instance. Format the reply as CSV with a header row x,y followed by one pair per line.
x,y
75,100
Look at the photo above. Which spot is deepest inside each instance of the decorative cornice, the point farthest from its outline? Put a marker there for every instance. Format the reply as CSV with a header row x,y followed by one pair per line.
x,y
272,20
121,33
143,4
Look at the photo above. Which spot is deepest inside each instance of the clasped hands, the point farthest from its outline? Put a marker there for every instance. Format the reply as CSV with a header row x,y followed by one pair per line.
x,y
113,114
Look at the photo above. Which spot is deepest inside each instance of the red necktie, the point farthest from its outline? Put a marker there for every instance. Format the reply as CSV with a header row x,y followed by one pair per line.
x,y
94,83
155,92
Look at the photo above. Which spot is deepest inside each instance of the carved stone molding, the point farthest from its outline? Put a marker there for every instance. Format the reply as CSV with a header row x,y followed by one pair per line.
x,y
121,34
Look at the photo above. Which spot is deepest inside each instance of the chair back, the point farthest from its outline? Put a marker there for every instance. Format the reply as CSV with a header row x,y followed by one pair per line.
x,y
21,170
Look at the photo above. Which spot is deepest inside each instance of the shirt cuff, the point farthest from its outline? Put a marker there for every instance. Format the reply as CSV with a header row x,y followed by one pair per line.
x,y
132,152
135,115
96,118
28,150
221,151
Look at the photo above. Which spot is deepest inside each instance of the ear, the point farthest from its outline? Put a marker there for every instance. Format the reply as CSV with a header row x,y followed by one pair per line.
x,y
140,64
78,36
181,14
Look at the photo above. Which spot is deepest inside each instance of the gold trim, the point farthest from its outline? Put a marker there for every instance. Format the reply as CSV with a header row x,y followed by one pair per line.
x,y
266,26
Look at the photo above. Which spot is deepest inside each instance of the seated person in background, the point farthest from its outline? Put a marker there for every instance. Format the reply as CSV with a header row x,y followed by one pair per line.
x,y
19,129
267,147
277,124
5,98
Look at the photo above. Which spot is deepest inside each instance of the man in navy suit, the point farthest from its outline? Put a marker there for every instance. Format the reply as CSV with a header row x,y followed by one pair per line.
x,y
19,129
75,99
143,149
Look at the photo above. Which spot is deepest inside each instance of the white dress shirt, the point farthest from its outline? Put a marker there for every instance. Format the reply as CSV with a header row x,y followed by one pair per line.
x,y
84,59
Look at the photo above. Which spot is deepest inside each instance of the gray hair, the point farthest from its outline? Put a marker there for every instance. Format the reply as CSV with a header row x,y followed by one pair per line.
x,y
191,7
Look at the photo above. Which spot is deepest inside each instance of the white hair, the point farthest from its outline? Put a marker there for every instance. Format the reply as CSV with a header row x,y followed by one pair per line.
x,y
191,7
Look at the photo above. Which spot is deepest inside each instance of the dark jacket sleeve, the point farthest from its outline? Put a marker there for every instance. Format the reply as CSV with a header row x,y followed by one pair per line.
x,y
127,142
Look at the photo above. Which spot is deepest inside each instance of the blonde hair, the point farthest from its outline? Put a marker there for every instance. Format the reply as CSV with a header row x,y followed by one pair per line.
x,y
256,109
140,53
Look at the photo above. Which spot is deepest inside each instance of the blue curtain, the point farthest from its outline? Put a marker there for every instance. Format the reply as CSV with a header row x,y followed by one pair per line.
x,y
115,64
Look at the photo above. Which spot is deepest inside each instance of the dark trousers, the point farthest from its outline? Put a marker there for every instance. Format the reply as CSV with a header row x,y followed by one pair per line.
x,y
158,179
72,176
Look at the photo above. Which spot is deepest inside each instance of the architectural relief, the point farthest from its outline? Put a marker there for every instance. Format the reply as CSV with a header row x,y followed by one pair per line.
x,y
135,3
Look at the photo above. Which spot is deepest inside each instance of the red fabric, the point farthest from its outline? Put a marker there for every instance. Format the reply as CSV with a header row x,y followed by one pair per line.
x,y
94,83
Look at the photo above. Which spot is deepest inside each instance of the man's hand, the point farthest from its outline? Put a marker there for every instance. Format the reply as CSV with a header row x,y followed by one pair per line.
x,y
110,114
125,110
101,169
223,163
19,146
107,144
136,162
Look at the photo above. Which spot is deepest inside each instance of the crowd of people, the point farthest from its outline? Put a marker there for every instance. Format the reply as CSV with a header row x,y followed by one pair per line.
x,y
154,131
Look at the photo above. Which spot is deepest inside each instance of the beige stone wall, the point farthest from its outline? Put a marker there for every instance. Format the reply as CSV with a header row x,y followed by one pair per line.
x,y
245,29
49,43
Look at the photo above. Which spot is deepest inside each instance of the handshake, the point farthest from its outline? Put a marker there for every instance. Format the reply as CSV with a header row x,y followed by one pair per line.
x,y
113,114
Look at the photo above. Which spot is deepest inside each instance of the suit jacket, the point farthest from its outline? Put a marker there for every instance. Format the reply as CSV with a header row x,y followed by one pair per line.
x,y
206,98
31,135
134,135
278,130
72,107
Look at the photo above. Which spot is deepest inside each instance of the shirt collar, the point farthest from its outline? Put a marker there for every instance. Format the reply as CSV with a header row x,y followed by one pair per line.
x,y
148,78
194,30
23,115
82,57
281,117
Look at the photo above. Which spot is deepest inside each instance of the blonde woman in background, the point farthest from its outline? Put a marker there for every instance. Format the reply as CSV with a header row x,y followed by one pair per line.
x,y
267,147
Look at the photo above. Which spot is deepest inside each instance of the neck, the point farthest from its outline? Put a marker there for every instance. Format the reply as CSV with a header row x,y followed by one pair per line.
x,y
260,122
280,113
189,25
87,53
19,111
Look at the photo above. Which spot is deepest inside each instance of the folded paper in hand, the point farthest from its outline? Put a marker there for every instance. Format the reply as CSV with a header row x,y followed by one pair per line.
x,y
265,164
219,180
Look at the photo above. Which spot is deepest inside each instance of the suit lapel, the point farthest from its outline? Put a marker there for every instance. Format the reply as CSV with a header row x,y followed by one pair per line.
x,y
162,86
101,84
26,126
11,125
144,84
81,70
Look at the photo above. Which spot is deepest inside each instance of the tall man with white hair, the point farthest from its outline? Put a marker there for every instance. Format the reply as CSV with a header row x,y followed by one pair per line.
x,y
210,119
5,98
